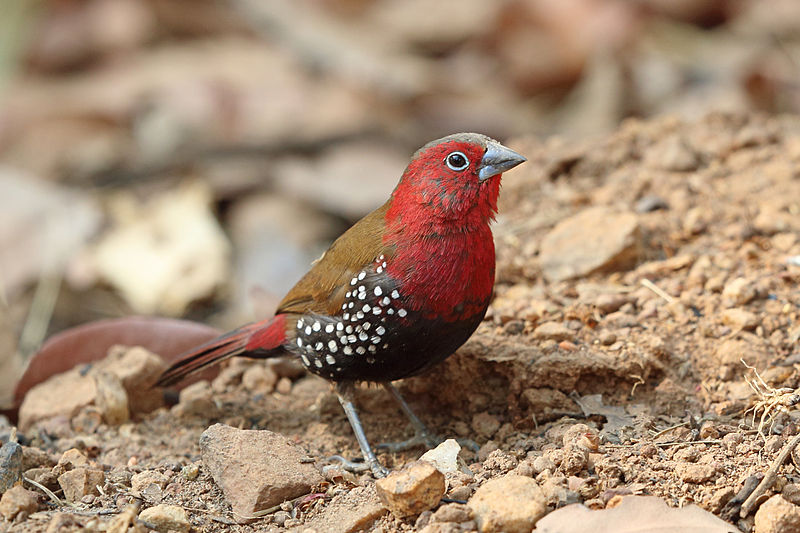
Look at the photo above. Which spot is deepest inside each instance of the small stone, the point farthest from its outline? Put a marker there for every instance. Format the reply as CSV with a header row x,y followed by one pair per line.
x,y
35,457
739,319
112,399
11,465
648,204
673,154
256,469
452,512
415,488
259,379
485,424
165,518
79,482
284,386
17,500
553,331
738,291
70,459
190,472
197,400
542,464
63,394
444,457
137,369
720,498
148,483
594,240
695,473
777,515
511,504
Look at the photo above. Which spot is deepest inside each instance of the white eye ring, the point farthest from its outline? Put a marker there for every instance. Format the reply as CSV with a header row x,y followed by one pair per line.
x,y
456,161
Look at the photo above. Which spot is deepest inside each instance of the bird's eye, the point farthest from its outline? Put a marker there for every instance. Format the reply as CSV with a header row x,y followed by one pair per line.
x,y
457,161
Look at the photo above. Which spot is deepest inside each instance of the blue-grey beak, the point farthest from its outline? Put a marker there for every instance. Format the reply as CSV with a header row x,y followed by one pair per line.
x,y
498,159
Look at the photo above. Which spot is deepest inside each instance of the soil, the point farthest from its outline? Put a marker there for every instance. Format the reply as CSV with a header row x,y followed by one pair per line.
x,y
649,355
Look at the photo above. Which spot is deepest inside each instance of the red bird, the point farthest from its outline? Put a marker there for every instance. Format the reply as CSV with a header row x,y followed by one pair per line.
x,y
398,292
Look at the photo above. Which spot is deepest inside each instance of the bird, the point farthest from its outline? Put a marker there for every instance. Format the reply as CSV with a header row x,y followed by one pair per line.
x,y
394,295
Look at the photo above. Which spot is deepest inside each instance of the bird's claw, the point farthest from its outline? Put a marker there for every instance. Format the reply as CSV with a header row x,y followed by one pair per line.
x,y
359,466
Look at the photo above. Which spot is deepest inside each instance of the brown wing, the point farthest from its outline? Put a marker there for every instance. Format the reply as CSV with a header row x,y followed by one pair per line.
x,y
323,287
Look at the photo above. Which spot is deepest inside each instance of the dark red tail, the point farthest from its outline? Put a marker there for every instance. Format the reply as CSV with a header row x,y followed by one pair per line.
x,y
259,339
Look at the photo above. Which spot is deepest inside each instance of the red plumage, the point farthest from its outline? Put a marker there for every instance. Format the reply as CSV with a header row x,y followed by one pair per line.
x,y
400,290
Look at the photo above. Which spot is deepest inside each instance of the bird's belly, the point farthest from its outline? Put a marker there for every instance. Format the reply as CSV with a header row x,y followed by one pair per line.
x,y
375,336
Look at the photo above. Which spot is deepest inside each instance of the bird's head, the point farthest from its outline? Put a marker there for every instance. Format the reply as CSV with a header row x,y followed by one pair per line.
x,y
452,178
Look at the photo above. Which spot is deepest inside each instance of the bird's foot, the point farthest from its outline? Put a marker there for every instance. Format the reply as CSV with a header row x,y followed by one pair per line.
x,y
360,466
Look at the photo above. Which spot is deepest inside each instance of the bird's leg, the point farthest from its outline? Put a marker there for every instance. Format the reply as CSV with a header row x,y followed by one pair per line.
x,y
344,391
422,436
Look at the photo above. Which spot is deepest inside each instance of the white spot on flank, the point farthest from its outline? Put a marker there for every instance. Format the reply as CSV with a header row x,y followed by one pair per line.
x,y
352,339
386,301
339,326
332,346
383,264
362,275
317,326
360,350
401,313
353,281
376,339
348,294
390,311
378,291
380,330
308,330
379,270
318,363
346,316
362,295
362,288
348,329
348,350
382,257
300,342
330,360
366,308
329,328
300,324
376,310
395,294
351,305
343,339
305,360
363,336
372,348
366,326
318,346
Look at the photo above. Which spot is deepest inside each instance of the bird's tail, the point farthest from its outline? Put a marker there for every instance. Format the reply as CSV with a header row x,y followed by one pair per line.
x,y
259,339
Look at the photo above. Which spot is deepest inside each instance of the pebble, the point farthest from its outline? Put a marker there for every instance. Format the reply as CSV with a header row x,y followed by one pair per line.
x,y
256,469
196,400
485,424
695,473
452,512
63,394
444,457
777,515
596,239
191,472
112,399
11,467
555,331
740,319
149,483
18,500
738,291
511,504
166,518
415,488
259,379
79,482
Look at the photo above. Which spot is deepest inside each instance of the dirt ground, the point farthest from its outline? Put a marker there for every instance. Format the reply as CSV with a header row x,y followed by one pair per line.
x,y
646,349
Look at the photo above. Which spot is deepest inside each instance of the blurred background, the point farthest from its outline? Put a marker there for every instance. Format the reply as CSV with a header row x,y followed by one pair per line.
x,y
189,158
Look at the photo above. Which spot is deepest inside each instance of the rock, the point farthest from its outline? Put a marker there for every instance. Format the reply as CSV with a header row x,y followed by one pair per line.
x,y
255,469
415,488
35,457
72,458
259,379
485,424
138,369
777,515
738,291
165,518
66,523
511,504
191,471
444,457
352,511
11,467
674,154
196,400
740,319
148,483
17,500
553,331
112,400
452,512
79,482
695,473
594,240
63,394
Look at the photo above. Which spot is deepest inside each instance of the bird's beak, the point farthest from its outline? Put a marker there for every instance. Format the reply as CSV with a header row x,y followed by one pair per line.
x,y
497,160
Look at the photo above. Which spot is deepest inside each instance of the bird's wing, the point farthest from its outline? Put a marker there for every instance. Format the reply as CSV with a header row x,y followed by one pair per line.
x,y
322,290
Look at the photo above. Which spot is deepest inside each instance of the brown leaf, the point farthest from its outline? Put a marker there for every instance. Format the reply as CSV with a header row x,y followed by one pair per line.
x,y
635,514
90,342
